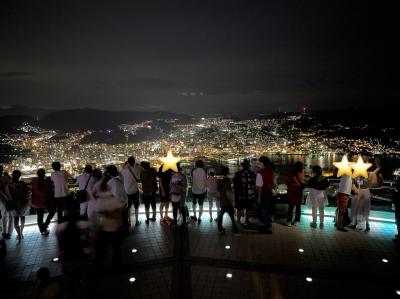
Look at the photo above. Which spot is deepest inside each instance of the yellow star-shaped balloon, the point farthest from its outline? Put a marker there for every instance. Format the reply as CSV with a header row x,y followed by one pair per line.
x,y
343,167
360,168
169,162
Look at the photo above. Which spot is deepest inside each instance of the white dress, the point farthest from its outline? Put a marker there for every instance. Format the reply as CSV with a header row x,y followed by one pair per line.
x,y
361,202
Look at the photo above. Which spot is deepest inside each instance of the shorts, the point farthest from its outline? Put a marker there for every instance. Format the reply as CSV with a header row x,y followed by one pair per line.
x,y
166,198
133,199
342,201
199,197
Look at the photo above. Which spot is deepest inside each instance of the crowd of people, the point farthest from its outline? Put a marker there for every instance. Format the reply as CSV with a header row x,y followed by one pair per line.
x,y
105,198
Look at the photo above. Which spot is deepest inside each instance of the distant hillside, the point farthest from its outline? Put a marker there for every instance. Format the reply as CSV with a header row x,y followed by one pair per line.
x,y
379,117
22,110
9,123
92,119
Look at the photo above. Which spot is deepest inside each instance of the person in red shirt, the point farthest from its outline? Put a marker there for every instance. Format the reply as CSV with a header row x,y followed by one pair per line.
x,y
42,199
295,187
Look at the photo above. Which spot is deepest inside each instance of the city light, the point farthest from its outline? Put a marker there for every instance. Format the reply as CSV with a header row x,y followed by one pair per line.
x,y
227,247
132,279
385,261
398,292
308,279
301,250
56,259
134,250
229,275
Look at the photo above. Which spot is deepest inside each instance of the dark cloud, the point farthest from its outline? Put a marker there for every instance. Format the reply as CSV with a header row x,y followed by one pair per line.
x,y
148,82
194,55
16,74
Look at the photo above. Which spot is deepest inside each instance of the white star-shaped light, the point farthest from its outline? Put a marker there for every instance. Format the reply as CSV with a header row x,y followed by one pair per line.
x,y
343,167
169,162
360,168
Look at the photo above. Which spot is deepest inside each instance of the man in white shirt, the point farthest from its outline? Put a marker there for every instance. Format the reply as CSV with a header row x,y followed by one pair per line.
x,y
131,177
61,193
342,197
117,189
199,180
85,182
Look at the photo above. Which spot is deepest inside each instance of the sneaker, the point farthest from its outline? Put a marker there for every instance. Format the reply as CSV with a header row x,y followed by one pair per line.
x,y
352,226
137,223
222,231
321,225
342,229
313,225
294,223
193,217
163,221
198,221
288,224
367,228
153,219
45,232
147,221
211,220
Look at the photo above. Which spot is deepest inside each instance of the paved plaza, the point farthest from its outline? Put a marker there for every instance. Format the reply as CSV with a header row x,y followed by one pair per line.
x,y
197,262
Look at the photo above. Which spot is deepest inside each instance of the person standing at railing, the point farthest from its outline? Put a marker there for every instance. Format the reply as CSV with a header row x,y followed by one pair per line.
x,y
85,182
227,199
199,177
17,191
116,186
62,198
148,177
212,192
317,199
264,187
295,187
342,197
244,183
178,188
42,199
131,178
6,214
361,201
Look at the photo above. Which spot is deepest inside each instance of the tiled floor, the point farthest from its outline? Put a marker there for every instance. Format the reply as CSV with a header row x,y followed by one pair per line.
x,y
194,262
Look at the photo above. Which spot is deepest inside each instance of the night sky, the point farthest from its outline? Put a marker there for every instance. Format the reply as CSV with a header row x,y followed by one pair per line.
x,y
193,56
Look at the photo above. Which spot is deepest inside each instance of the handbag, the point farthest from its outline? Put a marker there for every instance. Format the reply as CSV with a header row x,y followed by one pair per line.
x,y
375,180
82,195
